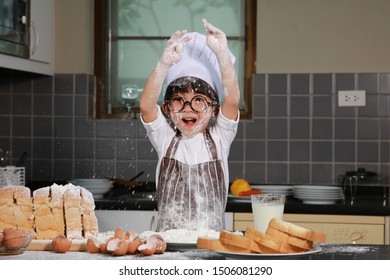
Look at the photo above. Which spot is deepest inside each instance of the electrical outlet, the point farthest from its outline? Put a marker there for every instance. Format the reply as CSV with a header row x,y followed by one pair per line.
x,y
350,98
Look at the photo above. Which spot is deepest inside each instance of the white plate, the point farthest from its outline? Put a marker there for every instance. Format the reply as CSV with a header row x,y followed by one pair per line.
x,y
316,187
319,202
273,187
315,196
181,246
229,255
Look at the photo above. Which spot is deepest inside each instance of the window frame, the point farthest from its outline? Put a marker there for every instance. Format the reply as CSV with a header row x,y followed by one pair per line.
x,y
100,63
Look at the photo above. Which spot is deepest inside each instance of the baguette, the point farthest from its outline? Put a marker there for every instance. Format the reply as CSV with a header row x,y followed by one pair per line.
x,y
297,231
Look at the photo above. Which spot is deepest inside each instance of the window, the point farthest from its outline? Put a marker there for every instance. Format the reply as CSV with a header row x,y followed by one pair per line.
x,y
130,36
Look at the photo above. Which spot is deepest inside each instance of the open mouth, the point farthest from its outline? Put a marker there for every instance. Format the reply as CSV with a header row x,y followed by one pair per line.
x,y
189,121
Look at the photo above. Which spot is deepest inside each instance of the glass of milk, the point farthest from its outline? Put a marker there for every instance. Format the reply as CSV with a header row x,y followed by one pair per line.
x,y
265,207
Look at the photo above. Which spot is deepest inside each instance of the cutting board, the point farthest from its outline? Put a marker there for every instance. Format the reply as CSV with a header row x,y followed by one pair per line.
x,y
78,245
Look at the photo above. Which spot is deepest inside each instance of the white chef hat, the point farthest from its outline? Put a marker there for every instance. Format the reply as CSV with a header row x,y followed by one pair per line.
x,y
198,61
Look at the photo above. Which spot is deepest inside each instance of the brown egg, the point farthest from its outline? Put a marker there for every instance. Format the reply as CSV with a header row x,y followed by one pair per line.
x,y
61,244
93,246
14,239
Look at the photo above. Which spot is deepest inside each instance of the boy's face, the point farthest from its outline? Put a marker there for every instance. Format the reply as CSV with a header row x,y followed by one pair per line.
x,y
196,114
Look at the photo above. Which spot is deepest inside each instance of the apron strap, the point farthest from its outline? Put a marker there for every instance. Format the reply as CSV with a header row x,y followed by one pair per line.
x,y
211,145
173,146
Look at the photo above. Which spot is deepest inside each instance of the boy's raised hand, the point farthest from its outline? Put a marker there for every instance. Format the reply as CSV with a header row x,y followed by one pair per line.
x,y
174,50
216,38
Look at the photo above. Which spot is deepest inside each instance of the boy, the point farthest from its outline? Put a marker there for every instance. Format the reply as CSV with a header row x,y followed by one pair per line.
x,y
192,173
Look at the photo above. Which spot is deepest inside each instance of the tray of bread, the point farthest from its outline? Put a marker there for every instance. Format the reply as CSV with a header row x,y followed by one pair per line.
x,y
281,240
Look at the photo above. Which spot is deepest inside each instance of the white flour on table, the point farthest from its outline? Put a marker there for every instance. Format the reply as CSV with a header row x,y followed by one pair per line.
x,y
181,235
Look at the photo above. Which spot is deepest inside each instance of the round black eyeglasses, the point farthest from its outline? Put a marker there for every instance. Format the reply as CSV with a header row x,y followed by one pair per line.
x,y
198,104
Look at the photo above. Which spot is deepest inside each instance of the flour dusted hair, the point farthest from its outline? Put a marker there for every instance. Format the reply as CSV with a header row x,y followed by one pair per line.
x,y
184,83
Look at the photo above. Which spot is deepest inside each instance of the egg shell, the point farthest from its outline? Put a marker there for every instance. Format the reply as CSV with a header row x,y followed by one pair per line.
x,y
118,232
103,246
158,242
161,249
132,246
14,239
113,244
122,249
147,249
129,235
61,244
93,246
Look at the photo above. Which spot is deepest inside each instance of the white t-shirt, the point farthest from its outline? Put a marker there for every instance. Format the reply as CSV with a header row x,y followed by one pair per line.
x,y
193,150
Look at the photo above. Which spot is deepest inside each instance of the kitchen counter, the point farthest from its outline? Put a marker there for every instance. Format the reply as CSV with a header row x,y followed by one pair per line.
x,y
369,201
368,204
326,252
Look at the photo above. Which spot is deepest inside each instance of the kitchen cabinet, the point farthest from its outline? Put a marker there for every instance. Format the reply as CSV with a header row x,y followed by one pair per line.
x,y
41,35
41,60
136,220
351,229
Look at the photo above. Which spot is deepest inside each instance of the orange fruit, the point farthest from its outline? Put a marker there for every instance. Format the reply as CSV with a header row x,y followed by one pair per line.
x,y
240,185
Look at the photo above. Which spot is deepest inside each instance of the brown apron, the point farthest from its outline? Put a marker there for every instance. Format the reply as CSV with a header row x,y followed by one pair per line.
x,y
191,197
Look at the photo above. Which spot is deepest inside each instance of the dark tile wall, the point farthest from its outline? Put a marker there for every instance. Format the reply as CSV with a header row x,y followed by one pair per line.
x,y
298,134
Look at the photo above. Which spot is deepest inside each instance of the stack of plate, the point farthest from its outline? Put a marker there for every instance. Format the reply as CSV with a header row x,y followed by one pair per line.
x,y
98,187
313,194
275,189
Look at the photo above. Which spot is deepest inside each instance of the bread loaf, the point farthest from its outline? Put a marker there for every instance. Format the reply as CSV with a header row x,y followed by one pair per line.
x,y
69,210
50,211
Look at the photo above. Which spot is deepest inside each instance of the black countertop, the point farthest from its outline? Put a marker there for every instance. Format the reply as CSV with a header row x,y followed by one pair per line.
x,y
322,252
144,198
